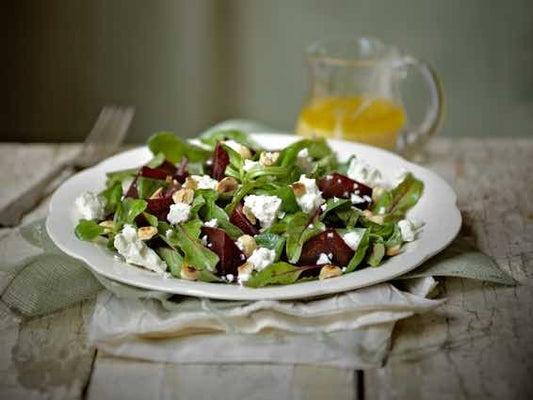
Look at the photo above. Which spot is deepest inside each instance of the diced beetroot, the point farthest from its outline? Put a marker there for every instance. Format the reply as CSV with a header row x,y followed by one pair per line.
x,y
132,190
337,185
153,173
222,245
169,168
159,207
240,220
326,242
220,162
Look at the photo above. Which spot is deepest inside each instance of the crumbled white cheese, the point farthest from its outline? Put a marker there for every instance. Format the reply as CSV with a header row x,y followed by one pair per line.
x,y
249,164
212,223
304,161
362,172
352,239
264,208
135,251
261,258
205,181
229,277
203,239
91,206
407,230
323,259
324,207
356,199
312,198
178,213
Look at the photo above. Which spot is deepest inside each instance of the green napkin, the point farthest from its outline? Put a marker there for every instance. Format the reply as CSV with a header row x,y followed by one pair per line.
x,y
51,280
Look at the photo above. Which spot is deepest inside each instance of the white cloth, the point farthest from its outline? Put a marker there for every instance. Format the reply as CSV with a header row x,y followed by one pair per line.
x,y
350,330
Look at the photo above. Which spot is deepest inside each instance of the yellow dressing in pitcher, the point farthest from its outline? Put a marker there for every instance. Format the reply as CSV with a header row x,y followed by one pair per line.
x,y
367,120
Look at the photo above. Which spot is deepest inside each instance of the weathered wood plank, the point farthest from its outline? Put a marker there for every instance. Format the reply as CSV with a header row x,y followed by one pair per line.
x,y
480,343
115,378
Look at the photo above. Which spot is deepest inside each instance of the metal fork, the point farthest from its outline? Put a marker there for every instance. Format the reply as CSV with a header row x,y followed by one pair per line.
x,y
104,139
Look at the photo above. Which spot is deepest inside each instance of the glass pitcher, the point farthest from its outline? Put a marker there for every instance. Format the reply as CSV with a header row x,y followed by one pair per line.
x,y
355,95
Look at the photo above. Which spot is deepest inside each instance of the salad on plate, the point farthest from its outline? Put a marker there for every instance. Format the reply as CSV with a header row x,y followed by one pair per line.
x,y
222,209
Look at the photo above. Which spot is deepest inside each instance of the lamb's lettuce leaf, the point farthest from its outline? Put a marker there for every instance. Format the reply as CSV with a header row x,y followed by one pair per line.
x,y
175,148
88,230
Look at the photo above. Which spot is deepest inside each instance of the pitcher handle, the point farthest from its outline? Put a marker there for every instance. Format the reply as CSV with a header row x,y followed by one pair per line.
x,y
413,140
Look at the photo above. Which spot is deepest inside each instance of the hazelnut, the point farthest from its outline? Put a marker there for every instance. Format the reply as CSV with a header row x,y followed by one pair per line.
x,y
227,185
157,193
298,188
188,273
249,214
394,250
378,219
268,158
244,271
146,232
242,150
108,226
329,271
183,196
190,183
377,192
247,245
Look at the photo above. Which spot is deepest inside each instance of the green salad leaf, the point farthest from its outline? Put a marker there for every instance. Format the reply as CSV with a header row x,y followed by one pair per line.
x,y
211,138
280,273
128,210
88,230
272,242
175,148
398,201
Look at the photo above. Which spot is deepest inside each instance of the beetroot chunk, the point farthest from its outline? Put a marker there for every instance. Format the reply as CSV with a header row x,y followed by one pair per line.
x,y
240,220
159,207
230,257
342,187
220,162
326,242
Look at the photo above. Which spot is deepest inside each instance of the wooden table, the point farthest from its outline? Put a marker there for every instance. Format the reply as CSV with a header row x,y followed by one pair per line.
x,y
478,345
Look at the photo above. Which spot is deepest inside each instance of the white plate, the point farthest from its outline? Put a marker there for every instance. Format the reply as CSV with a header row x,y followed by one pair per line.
x,y
437,208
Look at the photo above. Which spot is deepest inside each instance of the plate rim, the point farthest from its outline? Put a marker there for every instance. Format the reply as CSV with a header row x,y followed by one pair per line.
x,y
235,292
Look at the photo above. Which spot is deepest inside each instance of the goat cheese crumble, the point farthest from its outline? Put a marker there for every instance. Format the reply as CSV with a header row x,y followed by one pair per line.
x,y
362,172
264,208
312,198
178,213
261,258
324,258
205,182
352,239
135,251
212,223
90,206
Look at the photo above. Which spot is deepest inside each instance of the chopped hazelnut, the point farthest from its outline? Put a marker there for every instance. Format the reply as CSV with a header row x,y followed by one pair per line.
x,y
227,185
249,214
329,271
146,232
268,158
247,244
183,196
298,188
157,193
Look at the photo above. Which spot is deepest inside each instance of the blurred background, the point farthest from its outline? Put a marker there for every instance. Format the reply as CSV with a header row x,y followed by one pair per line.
x,y
186,65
